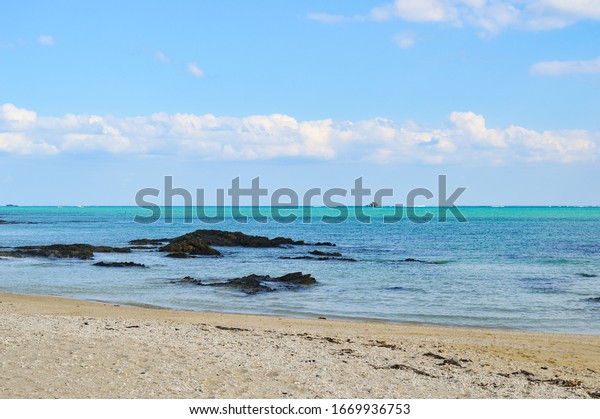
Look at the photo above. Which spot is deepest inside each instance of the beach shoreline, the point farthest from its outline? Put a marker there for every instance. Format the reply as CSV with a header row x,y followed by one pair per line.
x,y
62,348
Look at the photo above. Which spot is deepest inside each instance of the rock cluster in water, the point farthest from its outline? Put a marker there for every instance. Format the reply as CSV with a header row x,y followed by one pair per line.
x,y
64,251
253,284
197,243
189,244
200,242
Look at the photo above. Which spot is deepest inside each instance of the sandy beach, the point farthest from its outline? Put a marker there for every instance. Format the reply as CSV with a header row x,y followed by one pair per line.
x,y
60,348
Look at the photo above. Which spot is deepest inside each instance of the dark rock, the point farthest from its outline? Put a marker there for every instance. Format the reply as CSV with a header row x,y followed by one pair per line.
x,y
294,278
253,284
76,251
179,255
200,239
593,299
319,253
428,262
108,249
16,222
141,247
187,280
200,242
11,254
227,238
317,258
190,243
250,284
416,260
120,265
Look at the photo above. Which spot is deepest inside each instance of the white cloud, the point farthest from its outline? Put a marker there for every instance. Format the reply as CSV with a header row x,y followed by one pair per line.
x,y
20,143
194,70
465,138
471,127
587,9
414,10
555,68
491,16
15,118
46,40
160,56
405,40
326,17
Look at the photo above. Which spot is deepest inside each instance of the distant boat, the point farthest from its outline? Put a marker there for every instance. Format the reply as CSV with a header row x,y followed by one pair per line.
x,y
374,205
11,205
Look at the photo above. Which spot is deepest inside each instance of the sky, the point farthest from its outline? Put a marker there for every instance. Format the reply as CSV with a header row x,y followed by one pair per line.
x,y
101,99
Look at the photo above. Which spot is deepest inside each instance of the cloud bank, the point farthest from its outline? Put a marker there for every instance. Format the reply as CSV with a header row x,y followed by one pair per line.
x,y
465,137
556,68
490,15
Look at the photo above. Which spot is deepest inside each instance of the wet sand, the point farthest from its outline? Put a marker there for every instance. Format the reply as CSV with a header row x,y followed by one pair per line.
x,y
60,348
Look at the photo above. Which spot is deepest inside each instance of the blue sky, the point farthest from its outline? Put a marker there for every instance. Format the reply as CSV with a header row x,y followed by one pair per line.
x,y
100,99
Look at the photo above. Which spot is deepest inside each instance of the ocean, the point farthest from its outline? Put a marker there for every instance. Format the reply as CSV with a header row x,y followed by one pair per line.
x,y
518,268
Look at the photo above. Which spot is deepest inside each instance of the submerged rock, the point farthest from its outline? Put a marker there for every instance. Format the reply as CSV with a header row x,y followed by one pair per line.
x,y
120,265
318,258
108,249
416,260
179,255
253,284
593,299
319,253
64,251
187,280
325,244
428,262
16,222
250,284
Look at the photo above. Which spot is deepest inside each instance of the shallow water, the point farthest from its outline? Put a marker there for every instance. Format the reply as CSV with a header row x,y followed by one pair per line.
x,y
526,268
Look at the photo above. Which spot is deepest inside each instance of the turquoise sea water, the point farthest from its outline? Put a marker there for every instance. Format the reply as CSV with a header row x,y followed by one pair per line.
x,y
524,268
